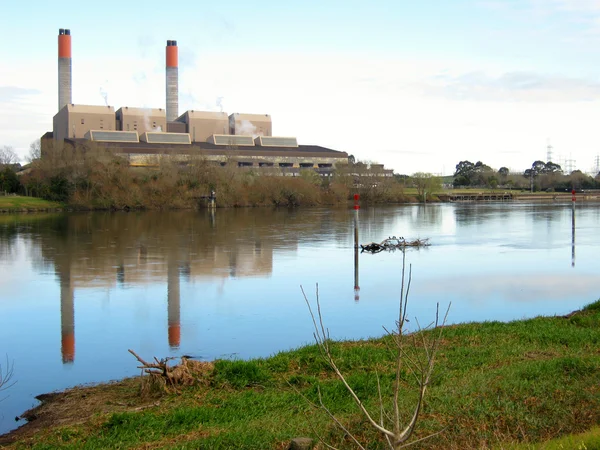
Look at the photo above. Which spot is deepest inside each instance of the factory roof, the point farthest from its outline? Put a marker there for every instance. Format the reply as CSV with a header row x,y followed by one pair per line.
x,y
205,147
153,137
91,109
142,111
276,141
250,117
112,136
192,114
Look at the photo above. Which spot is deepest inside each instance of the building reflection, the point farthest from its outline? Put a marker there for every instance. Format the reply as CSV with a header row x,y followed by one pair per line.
x,y
96,250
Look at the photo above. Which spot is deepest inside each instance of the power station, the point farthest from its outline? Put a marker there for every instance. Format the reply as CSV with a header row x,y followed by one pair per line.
x,y
143,135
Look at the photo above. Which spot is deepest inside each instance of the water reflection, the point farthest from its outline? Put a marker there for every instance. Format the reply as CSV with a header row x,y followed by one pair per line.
x,y
173,302
95,251
67,317
356,247
104,250
428,214
217,283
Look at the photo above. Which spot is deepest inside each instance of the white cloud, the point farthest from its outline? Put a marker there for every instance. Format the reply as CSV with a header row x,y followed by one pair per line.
x,y
587,6
20,114
410,114
512,86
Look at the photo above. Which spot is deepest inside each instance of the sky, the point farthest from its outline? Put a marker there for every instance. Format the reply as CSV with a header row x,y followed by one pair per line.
x,y
415,85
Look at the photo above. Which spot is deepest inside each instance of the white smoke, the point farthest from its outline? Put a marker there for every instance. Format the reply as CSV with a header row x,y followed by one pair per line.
x,y
147,124
104,95
220,103
246,127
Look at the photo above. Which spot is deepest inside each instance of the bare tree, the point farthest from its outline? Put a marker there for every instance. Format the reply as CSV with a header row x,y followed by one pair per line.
x,y
425,183
8,155
389,423
35,151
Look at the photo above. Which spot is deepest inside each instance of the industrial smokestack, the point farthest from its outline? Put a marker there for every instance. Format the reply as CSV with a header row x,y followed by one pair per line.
x,y
172,82
64,68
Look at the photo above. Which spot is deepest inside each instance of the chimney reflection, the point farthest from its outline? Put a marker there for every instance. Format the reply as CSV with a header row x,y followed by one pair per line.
x,y
121,251
67,317
173,303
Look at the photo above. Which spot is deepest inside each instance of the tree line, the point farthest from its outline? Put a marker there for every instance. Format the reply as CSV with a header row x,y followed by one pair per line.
x,y
89,176
541,176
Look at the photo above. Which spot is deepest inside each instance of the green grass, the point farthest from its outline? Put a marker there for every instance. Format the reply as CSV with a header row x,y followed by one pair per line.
x,y
16,202
589,440
524,384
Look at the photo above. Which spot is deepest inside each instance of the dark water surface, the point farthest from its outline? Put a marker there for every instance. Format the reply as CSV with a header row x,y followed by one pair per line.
x,y
78,290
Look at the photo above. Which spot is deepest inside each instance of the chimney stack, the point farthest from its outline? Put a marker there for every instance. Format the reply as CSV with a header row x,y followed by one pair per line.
x,y
64,68
172,110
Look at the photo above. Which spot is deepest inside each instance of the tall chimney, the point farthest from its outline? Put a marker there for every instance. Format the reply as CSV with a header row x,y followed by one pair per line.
x,y
64,68
172,82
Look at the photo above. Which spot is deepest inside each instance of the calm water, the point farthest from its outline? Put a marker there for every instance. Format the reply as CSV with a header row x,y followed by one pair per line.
x,y
78,290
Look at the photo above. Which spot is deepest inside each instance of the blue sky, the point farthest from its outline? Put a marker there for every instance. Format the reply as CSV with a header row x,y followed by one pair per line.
x,y
417,86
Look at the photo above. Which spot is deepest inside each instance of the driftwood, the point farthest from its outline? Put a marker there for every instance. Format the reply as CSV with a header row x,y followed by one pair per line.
x,y
393,243
187,373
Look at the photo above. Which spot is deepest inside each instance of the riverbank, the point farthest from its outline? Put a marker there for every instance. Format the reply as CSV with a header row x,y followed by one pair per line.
x,y
17,203
496,385
22,204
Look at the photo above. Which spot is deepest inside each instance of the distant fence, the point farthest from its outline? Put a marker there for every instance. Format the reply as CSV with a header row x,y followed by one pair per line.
x,y
477,197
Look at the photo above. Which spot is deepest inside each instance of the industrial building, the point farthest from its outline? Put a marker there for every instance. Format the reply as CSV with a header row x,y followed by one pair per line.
x,y
143,135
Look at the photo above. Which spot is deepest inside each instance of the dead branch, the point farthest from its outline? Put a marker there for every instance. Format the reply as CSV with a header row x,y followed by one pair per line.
x,y
188,372
393,243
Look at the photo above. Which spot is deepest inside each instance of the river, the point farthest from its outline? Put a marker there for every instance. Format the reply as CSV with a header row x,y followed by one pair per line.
x,y
79,289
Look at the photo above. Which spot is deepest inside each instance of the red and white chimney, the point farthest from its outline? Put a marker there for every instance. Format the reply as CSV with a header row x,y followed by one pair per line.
x,y
64,68
172,110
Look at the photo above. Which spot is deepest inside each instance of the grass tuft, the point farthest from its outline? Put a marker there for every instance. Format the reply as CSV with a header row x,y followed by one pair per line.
x,y
240,374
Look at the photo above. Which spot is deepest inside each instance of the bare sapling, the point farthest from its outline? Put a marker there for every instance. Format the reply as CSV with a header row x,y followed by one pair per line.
x,y
6,375
414,353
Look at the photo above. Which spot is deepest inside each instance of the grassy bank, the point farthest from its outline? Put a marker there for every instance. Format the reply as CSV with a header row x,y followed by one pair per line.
x,y
496,385
16,203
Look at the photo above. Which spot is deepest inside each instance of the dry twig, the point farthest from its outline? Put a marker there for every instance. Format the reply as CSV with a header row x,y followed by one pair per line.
x,y
187,372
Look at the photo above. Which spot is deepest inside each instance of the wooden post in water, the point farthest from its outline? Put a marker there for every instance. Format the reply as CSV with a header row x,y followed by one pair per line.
x,y
573,199
356,245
